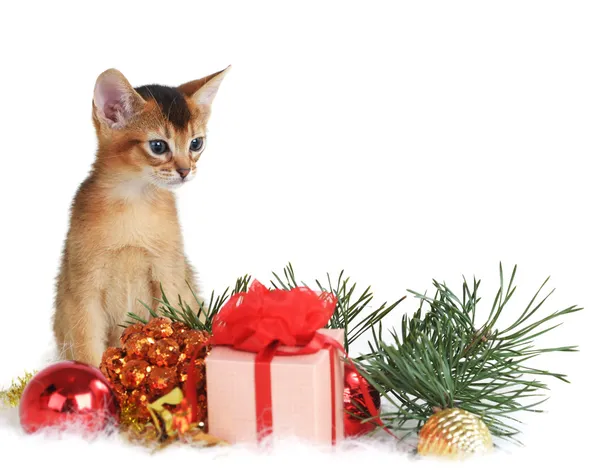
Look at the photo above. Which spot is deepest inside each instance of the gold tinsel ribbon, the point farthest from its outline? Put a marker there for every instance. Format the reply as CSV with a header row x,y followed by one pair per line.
x,y
168,427
12,396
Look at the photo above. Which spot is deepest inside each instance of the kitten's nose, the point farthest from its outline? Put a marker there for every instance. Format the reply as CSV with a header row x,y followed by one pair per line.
x,y
183,172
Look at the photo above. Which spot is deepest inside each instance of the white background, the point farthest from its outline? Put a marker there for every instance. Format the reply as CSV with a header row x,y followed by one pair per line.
x,y
400,141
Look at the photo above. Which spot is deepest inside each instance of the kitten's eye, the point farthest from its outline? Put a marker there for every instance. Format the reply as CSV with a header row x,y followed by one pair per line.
x,y
158,146
196,144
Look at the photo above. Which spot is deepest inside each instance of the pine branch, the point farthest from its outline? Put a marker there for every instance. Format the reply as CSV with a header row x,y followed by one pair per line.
x,y
353,313
352,309
441,359
199,319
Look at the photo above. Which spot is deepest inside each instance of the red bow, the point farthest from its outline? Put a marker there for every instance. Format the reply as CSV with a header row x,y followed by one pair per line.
x,y
253,320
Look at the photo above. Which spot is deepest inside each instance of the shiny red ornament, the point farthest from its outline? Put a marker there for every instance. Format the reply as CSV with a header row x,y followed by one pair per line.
x,y
68,393
353,397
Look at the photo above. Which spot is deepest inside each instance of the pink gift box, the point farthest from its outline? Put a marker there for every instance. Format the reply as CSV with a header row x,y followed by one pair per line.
x,y
301,392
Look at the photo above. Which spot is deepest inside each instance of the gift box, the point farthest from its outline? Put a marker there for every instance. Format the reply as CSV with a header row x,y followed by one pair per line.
x,y
305,402
274,369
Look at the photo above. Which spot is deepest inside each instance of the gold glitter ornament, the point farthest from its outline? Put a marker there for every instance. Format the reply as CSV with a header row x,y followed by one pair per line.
x,y
165,352
159,327
113,358
151,362
454,433
134,373
138,345
130,331
192,340
163,379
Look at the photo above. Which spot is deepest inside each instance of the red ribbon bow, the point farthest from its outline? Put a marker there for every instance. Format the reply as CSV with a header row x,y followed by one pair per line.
x,y
260,321
254,320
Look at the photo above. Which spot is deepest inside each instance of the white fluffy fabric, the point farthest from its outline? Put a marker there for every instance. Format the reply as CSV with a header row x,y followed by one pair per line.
x,y
547,441
106,451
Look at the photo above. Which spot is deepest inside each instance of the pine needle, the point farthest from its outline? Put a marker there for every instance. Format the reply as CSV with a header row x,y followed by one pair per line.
x,y
351,314
442,359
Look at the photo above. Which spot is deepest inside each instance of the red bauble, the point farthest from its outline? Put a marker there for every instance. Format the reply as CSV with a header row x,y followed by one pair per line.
x,y
353,396
68,393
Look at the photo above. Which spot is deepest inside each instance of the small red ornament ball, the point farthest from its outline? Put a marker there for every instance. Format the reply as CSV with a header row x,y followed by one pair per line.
x,y
353,396
68,393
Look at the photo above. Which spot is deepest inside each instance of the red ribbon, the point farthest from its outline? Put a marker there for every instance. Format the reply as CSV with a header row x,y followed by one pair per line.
x,y
260,321
264,404
262,373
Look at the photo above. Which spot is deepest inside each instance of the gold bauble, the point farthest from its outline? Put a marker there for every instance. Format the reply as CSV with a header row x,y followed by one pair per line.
x,y
454,433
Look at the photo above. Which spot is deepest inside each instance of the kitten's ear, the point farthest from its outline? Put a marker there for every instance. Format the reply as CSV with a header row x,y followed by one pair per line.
x,y
204,90
115,100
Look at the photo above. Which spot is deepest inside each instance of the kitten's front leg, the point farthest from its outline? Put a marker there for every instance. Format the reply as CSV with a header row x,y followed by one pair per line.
x,y
178,282
81,329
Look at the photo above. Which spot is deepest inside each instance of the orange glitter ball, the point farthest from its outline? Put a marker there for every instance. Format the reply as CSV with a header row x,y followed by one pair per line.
x,y
152,361
165,352
134,373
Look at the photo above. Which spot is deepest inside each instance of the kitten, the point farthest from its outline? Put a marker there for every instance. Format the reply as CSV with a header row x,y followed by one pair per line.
x,y
124,238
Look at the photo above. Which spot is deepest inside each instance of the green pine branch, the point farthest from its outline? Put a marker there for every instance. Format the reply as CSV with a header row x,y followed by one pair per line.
x,y
199,318
442,359
353,312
